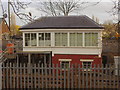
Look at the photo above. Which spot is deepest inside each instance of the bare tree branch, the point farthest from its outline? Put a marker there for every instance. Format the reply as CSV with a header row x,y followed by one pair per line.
x,y
17,7
62,7
116,8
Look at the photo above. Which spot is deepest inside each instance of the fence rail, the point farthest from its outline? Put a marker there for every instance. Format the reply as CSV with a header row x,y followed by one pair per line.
x,y
54,76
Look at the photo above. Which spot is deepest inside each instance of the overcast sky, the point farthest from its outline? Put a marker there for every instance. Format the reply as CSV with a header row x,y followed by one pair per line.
x,y
100,10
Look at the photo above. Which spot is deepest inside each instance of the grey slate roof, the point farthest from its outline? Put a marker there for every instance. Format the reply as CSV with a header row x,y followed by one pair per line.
x,y
63,22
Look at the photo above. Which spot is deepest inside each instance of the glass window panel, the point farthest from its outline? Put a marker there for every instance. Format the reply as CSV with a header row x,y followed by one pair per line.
x,y
72,39
87,39
94,39
86,64
91,39
41,39
47,36
79,39
47,39
33,39
57,39
76,39
64,39
27,39
65,64
41,36
61,39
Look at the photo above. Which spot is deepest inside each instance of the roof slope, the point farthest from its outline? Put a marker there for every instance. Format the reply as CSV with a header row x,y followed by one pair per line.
x,y
63,22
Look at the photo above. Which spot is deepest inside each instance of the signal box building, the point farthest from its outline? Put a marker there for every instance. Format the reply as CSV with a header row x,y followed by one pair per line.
x,y
67,39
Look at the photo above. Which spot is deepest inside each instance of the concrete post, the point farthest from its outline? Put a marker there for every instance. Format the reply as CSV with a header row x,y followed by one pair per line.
x,y
29,62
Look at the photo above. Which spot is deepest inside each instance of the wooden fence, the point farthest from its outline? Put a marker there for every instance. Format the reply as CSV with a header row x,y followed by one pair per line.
x,y
54,76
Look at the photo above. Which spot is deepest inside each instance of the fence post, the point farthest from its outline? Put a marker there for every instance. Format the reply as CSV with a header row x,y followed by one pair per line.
x,y
0,76
118,74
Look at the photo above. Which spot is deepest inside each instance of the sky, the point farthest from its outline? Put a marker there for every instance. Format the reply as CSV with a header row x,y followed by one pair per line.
x,y
99,11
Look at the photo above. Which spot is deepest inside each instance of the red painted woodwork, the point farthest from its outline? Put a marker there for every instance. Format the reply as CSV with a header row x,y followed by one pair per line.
x,y
76,58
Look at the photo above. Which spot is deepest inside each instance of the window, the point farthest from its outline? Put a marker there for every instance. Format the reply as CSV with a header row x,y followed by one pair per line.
x,y
27,39
33,39
76,39
44,39
91,39
30,39
65,64
61,39
86,65
41,39
47,39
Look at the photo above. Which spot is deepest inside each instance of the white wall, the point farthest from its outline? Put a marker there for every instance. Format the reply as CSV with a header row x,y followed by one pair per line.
x,y
67,50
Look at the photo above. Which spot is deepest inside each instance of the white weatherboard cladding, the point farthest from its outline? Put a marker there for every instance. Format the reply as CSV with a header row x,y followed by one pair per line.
x,y
90,51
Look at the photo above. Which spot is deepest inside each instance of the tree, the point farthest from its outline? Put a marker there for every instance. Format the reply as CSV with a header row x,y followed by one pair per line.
x,y
18,6
60,7
95,19
63,7
116,8
115,11
13,27
110,29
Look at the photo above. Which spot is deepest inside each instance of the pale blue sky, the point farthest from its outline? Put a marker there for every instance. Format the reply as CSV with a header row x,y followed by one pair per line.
x,y
100,11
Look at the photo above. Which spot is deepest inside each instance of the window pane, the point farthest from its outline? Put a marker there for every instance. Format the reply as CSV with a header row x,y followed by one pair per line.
x,y
79,39
47,36
64,39
72,39
27,39
47,39
65,64
86,64
91,39
57,39
75,39
33,39
94,39
87,39
41,39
